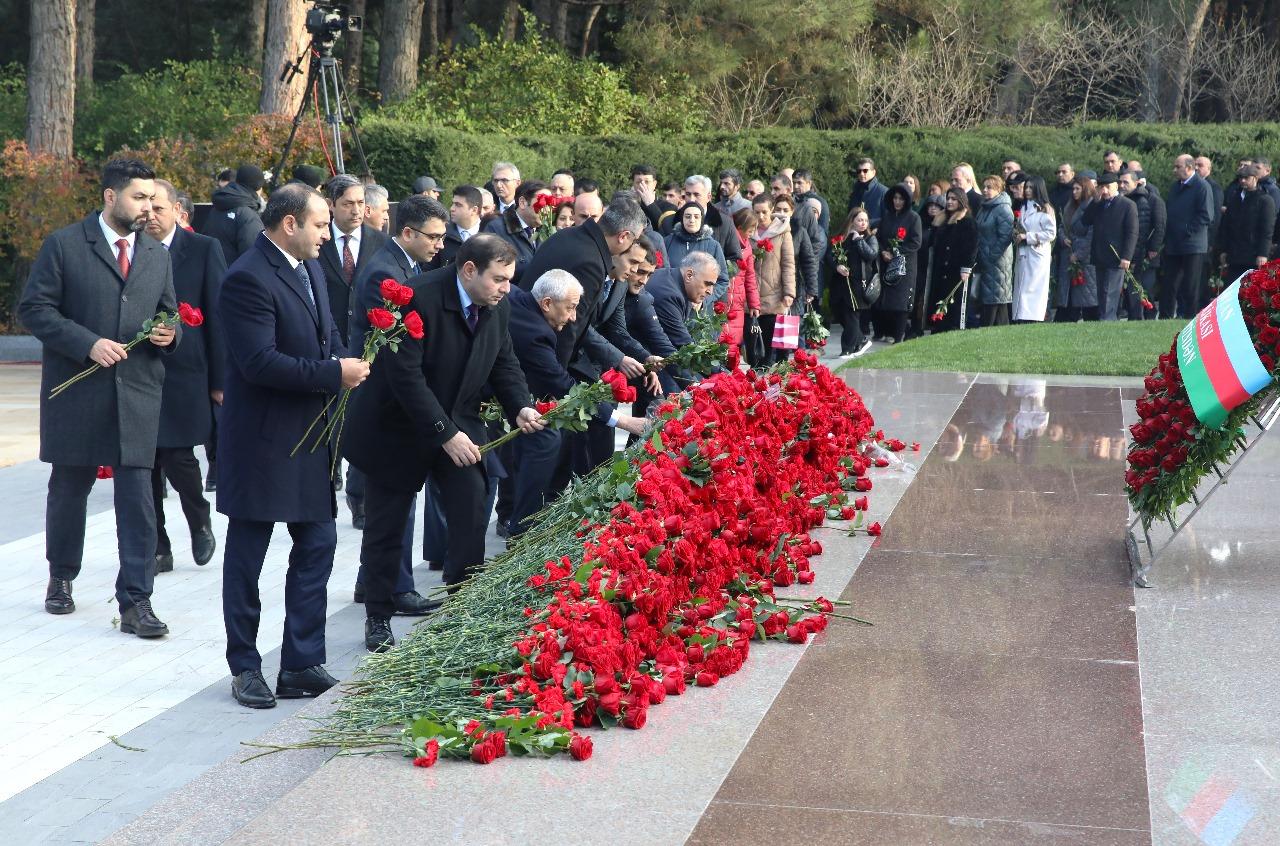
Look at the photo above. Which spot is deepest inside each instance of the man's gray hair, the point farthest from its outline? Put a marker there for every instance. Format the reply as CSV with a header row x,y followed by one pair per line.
x,y
559,285
339,185
376,195
499,166
698,260
487,196
169,190
623,215
696,179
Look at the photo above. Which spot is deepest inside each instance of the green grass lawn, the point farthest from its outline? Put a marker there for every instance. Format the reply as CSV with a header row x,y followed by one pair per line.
x,y
1123,348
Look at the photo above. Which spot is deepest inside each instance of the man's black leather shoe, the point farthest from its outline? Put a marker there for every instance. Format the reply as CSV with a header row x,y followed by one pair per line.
x,y
435,566
337,483
164,563
297,684
211,480
250,690
502,529
138,619
203,543
57,597
377,634
413,604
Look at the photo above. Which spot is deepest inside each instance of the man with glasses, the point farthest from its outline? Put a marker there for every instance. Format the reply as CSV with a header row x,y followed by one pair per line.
x,y
506,179
420,235
867,190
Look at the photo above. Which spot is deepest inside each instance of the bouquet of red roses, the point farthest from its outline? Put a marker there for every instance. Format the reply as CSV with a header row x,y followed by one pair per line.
x,y
547,207
186,313
386,327
578,407
762,248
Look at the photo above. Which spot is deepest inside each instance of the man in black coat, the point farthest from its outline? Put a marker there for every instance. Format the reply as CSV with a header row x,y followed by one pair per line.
x,y
421,224
419,417
868,191
805,190
234,218
537,316
1190,212
1115,238
1244,239
285,360
1146,257
91,288
193,378
349,249
464,222
587,252
644,182
518,225
1267,183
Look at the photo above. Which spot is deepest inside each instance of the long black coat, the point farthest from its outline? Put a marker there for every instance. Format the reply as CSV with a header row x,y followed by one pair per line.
x,y
281,370
416,399
583,251
1115,231
955,248
510,228
1246,227
340,300
196,367
900,295
808,258
74,296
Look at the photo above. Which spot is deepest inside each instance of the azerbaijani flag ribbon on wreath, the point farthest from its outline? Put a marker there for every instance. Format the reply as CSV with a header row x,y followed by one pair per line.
x,y
1219,365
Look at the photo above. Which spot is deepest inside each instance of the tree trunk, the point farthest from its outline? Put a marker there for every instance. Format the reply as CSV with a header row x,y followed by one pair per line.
x,y
255,29
592,14
511,20
398,61
286,36
1194,26
51,84
433,28
353,46
86,14
560,29
458,22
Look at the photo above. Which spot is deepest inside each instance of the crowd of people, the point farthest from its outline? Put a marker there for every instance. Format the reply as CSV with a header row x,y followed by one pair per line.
x,y
520,298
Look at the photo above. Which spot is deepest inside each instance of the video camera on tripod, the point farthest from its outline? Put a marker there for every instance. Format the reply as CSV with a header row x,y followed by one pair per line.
x,y
329,20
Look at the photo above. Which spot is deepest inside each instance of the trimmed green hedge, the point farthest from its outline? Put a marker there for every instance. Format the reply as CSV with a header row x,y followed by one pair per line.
x,y
400,152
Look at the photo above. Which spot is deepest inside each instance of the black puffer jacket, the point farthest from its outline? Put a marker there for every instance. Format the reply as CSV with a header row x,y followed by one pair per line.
x,y
1151,220
234,220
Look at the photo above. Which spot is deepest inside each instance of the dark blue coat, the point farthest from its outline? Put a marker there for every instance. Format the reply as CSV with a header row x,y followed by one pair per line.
x,y
1189,212
671,305
583,251
196,366
281,370
643,325
510,228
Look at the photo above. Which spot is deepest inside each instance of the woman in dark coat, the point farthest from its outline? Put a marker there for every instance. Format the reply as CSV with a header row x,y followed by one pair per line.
x,y
899,232
846,281
1076,294
934,206
955,250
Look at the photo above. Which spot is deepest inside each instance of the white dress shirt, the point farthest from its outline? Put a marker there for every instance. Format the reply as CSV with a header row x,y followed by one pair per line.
x,y
112,236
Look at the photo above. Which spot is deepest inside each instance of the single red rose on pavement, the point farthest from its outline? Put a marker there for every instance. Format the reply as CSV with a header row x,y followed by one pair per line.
x,y
483,753
413,325
580,747
380,318
874,530
707,678
862,484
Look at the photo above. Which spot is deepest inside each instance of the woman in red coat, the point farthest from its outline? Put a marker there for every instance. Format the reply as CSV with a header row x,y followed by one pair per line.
x,y
744,294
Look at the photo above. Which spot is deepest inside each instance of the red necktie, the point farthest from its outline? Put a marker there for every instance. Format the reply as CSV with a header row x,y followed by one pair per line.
x,y
122,257
348,260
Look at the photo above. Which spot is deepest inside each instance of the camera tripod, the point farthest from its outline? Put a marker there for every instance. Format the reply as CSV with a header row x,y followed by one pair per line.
x,y
324,80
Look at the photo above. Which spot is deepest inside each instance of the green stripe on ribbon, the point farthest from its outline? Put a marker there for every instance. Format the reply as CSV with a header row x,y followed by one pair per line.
x,y
1204,399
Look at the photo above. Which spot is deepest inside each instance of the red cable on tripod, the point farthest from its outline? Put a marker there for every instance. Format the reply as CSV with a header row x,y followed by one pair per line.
x,y
315,102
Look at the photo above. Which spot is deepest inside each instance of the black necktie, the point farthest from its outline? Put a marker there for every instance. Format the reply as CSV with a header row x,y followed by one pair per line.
x,y
473,316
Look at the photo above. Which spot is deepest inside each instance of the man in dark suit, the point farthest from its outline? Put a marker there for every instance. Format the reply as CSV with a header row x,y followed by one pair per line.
x,y
193,378
643,325
518,225
464,222
419,417
1189,213
587,252
537,317
676,291
284,360
421,222
92,287
1115,240
1244,239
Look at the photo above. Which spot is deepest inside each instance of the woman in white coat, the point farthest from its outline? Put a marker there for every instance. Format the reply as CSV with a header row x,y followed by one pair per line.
x,y
1033,236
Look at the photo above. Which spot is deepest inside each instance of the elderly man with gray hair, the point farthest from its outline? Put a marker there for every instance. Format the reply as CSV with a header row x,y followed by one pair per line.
x,y
377,207
538,317
697,189
506,179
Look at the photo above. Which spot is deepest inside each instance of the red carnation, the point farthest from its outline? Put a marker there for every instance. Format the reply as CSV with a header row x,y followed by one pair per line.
x,y
380,318
429,754
189,314
413,325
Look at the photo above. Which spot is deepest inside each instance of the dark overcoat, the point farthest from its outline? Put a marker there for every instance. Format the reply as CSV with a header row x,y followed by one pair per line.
x,y
195,368
74,296
281,369
583,251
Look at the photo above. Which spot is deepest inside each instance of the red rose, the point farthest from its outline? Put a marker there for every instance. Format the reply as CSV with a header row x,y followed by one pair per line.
x,y
657,254
874,530
837,240
104,473
543,407
413,325
902,232
862,484
860,503
429,754
635,718
580,747
189,314
720,307
380,318
483,753
767,245
797,633
707,678
395,293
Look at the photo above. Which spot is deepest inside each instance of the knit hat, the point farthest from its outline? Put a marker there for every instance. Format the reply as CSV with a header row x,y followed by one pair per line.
x,y
250,177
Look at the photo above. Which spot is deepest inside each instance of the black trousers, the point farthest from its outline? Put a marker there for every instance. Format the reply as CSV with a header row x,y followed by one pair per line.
x,y
305,592
891,324
1180,293
66,511
535,462
180,467
354,488
593,447
995,314
850,321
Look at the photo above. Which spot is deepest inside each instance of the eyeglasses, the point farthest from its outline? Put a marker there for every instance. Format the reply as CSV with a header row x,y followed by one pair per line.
x,y
434,239
864,170
502,180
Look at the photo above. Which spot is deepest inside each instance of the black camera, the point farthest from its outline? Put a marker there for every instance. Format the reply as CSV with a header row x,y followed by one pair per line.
x,y
329,20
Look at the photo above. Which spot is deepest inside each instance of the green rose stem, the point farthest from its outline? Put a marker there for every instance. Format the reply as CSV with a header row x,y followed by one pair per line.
x,y
164,318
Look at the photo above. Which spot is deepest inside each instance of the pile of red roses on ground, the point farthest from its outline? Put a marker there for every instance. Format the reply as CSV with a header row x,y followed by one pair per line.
x,y
664,586
1170,450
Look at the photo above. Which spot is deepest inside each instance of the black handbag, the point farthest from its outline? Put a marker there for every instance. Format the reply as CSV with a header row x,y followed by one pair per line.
x,y
896,270
871,289
756,349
